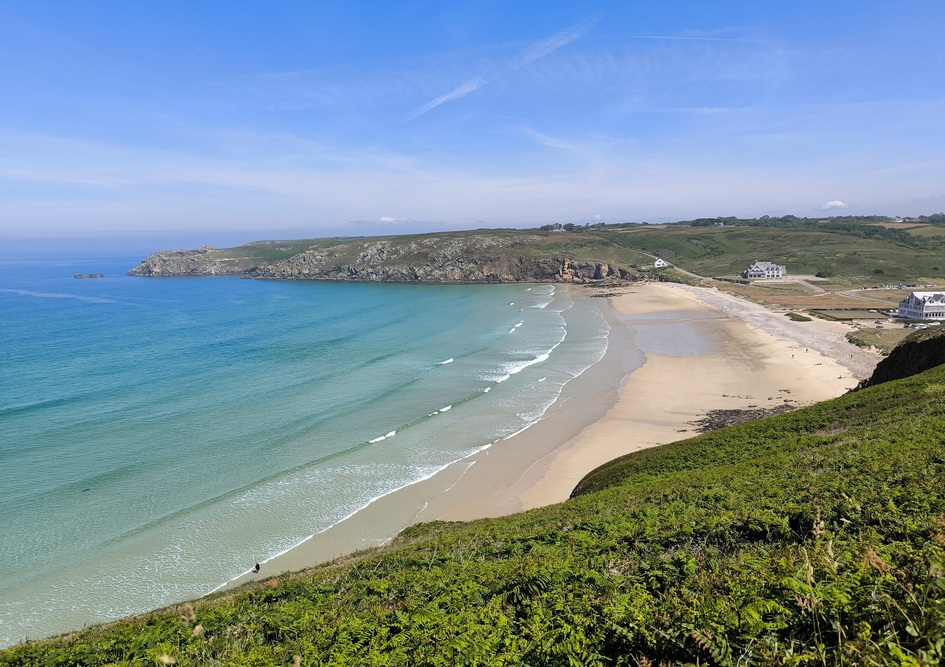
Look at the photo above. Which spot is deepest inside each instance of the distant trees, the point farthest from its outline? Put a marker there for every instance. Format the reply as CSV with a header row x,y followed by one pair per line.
x,y
569,227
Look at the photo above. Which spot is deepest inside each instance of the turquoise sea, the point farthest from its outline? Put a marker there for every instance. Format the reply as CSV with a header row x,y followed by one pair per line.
x,y
160,436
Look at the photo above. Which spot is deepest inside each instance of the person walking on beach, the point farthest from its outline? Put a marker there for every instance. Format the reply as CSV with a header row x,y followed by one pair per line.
x,y
256,569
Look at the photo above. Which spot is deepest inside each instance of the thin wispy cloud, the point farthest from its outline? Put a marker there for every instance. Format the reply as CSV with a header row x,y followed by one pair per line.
x,y
549,141
548,46
688,38
459,92
536,51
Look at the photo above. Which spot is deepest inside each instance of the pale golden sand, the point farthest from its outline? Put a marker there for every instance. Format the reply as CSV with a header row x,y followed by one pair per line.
x,y
746,367
698,357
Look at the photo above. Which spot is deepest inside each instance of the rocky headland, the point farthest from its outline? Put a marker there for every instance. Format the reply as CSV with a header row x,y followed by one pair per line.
x,y
470,258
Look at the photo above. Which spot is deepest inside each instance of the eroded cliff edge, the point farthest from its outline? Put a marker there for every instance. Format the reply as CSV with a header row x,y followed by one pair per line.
x,y
917,353
436,258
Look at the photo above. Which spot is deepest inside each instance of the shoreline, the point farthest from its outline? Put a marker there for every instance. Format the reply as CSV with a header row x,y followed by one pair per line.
x,y
730,354
755,361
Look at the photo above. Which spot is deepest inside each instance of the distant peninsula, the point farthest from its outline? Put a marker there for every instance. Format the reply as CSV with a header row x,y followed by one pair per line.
x,y
494,256
858,250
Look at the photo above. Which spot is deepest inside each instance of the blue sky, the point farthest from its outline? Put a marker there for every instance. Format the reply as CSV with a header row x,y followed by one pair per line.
x,y
231,121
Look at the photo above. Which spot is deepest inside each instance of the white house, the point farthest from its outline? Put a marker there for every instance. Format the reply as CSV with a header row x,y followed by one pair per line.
x,y
660,263
764,270
923,306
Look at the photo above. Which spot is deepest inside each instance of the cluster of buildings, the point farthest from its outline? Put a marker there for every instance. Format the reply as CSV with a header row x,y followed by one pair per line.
x,y
917,306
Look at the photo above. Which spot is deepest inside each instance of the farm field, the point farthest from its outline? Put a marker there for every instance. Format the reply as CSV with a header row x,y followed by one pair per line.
x,y
851,314
797,298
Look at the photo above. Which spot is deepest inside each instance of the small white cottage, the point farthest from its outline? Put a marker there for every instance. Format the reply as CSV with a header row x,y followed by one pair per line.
x,y
660,263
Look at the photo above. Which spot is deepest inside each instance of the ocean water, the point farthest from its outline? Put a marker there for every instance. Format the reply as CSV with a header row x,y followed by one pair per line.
x,y
160,436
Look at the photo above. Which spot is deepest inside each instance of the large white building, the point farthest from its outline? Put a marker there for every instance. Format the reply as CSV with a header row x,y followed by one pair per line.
x,y
765,270
923,306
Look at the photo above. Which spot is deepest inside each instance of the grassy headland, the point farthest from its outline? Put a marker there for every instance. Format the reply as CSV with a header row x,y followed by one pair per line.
x,y
848,251
859,248
814,537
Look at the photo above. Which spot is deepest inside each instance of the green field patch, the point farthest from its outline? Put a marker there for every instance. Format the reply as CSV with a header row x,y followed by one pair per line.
x,y
928,231
798,317
850,314
884,340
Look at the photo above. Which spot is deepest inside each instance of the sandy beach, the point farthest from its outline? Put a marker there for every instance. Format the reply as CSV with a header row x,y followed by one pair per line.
x,y
675,353
755,358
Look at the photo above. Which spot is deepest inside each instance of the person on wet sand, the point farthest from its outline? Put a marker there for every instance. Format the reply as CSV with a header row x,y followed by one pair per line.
x,y
256,569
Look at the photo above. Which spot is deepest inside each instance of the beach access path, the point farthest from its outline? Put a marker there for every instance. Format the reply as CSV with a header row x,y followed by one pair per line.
x,y
676,352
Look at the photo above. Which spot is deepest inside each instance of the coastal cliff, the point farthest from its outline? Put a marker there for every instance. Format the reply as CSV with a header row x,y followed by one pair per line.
x,y
917,353
439,258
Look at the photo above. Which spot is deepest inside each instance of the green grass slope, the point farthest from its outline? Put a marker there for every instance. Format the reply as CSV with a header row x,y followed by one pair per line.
x,y
837,250
816,537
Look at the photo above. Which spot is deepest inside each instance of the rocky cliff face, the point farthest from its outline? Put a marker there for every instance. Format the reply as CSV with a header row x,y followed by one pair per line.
x,y
196,262
917,353
433,259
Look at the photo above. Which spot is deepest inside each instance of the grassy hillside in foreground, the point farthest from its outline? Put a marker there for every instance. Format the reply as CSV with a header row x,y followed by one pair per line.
x,y
815,537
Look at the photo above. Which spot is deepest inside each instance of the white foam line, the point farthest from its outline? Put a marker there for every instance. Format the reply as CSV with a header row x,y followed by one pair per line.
x,y
382,437
486,390
524,428
423,479
544,356
448,407
448,361
468,466
561,388
351,514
